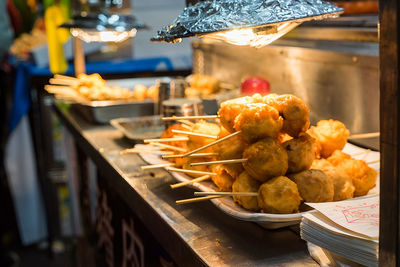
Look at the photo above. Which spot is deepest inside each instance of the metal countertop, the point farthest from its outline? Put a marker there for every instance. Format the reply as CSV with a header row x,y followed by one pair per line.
x,y
198,234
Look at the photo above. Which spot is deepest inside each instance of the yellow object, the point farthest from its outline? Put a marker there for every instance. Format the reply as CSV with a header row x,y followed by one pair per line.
x,y
53,17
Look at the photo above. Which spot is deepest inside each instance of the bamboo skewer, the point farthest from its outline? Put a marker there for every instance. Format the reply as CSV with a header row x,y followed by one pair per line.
x,y
203,147
174,118
196,199
364,135
187,127
194,134
195,180
173,139
175,148
201,155
62,81
227,161
172,169
157,166
242,194
147,151
59,76
186,122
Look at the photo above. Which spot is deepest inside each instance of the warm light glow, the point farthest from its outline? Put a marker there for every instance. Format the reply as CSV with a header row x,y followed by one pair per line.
x,y
102,36
253,38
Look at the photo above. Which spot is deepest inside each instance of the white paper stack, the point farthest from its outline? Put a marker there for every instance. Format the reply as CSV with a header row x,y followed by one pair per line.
x,y
348,228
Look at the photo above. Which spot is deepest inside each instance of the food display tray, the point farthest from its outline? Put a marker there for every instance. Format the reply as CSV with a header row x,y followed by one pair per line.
x,y
104,111
137,129
266,220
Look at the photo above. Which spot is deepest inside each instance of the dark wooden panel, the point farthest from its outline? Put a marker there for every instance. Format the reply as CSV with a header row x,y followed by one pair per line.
x,y
389,124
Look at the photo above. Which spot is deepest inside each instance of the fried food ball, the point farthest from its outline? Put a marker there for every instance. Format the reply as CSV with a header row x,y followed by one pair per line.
x,y
222,180
231,148
331,134
265,159
152,92
342,183
140,92
205,84
279,195
204,128
314,185
230,109
245,183
337,157
363,176
293,110
300,152
257,121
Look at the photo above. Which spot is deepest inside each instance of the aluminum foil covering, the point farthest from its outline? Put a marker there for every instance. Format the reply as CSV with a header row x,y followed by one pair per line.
x,y
221,15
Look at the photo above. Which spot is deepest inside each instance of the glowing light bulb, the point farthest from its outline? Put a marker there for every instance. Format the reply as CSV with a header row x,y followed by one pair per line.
x,y
102,36
253,37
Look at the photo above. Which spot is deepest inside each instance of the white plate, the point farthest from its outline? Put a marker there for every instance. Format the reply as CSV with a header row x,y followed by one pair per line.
x,y
267,220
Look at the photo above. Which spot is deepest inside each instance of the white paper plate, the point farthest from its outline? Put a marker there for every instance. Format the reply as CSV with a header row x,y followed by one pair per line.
x,y
267,220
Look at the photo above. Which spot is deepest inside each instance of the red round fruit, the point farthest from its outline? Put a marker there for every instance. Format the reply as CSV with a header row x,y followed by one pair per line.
x,y
254,85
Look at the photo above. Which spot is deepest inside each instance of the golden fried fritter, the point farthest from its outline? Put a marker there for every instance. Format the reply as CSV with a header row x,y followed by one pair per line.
x,y
279,195
245,183
265,159
222,180
331,134
202,127
257,121
230,109
363,176
293,110
182,144
314,185
203,168
337,157
342,183
300,152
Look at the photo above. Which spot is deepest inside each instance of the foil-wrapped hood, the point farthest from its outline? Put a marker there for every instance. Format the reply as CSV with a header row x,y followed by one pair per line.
x,y
212,16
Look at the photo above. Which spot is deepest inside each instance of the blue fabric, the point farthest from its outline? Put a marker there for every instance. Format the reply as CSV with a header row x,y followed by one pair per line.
x,y
26,70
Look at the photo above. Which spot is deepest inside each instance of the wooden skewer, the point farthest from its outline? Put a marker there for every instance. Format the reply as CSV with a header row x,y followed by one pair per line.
x,y
59,76
187,127
174,118
195,134
62,81
188,123
227,161
146,151
201,155
172,169
196,180
174,139
196,199
203,147
175,148
365,135
242,194
157,166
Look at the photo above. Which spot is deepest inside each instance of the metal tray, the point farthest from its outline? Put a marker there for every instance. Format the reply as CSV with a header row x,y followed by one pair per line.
x,y
137,129
104,111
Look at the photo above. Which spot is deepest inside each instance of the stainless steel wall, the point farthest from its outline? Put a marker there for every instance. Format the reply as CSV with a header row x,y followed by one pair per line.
x,y
339,82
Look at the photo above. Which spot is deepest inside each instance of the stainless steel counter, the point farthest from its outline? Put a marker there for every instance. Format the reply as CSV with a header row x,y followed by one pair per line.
x,y
195,234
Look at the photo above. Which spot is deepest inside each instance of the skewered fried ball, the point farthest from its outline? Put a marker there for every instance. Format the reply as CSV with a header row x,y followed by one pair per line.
x,y
231,148
222,180
245,183
257,121
230,109
203,168
265,159
337,157
293,110
182,144
342,183
300,152
279,195
314,185
331,135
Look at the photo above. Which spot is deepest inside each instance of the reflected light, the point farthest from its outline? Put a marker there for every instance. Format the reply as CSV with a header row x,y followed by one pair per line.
x,y
102,36
253,37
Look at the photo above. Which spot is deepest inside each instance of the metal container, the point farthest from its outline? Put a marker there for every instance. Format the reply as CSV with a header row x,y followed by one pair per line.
x,y
182,107
137,129
169,89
